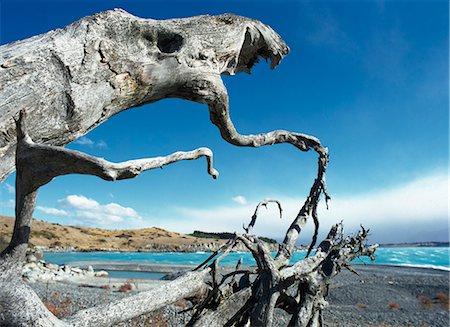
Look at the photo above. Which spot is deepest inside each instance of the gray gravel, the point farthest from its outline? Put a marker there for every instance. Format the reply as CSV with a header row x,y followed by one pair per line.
x,y
377,287
362,300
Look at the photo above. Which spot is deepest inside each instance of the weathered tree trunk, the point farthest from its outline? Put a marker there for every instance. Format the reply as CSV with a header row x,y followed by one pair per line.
x,y
57,86
71,80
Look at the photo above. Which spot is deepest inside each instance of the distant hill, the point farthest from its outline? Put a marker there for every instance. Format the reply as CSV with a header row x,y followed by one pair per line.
x,y
59,237
88,239
226,236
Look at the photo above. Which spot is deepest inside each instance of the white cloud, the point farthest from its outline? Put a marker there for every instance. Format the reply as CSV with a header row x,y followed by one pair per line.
x,y
419,200
101,144
9,188
78,202
415,211
52,211
394,215
85,141
87,211
239,199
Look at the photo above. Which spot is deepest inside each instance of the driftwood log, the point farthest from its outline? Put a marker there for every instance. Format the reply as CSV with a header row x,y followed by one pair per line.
x,y
57,86
73,79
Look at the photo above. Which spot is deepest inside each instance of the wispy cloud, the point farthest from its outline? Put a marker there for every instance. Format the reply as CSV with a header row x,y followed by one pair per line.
x,y
101,144
385,56
380,6
9,188
327,31
239,199
85,141
52,211
414,211
8,203
398,214
420,200
89,212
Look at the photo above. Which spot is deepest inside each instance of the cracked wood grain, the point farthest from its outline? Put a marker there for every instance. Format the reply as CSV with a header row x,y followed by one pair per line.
x,y
70,80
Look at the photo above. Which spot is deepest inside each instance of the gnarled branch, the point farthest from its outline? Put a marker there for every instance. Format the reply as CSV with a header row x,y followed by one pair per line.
x,y
112,61
38,164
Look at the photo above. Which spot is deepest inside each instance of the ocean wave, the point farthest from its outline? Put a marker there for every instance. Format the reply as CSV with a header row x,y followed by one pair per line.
x,y
424,266
434,258
395,259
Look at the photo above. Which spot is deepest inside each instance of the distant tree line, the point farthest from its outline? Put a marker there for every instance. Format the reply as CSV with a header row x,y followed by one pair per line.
x,y
227,236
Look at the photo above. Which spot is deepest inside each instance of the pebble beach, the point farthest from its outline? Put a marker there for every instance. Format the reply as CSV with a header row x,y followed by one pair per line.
x,y
378,296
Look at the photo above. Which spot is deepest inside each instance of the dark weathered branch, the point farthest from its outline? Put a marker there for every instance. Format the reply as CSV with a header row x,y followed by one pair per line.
x,y
268,290
263,203
226,311
308,208
227,245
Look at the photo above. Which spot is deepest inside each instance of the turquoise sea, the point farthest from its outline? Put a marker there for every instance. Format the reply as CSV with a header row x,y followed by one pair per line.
x,y
426,257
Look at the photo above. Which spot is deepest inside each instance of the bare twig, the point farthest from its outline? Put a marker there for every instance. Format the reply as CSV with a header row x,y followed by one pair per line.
x,y
263,203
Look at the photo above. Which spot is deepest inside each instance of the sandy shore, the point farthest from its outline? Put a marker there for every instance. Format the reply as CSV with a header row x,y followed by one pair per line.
x,y
379,296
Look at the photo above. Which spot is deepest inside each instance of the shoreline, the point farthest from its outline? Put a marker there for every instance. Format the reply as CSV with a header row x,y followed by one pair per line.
x,y
159,250
436,258
207,250
168,268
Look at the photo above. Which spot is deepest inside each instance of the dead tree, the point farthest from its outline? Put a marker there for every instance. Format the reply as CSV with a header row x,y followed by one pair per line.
x,y
73,79
113,61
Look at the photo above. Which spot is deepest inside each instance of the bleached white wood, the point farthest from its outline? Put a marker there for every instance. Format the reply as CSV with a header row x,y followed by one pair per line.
x,y
70,80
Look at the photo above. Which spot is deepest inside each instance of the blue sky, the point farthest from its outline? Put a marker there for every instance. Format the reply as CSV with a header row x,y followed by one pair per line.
x,y
369,78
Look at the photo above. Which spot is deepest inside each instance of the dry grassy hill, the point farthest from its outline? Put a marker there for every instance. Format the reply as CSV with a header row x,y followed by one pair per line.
x,y
86,238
